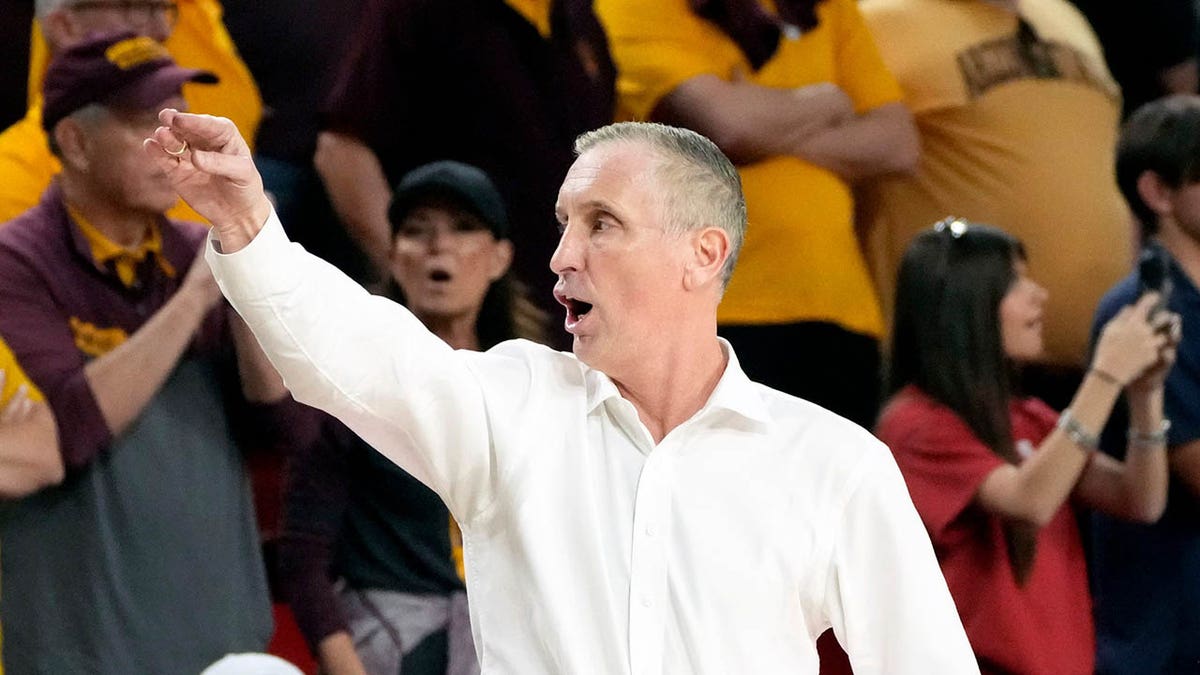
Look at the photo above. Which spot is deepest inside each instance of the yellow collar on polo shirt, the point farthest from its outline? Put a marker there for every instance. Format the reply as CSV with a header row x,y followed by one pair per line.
x,y
125,260
536,12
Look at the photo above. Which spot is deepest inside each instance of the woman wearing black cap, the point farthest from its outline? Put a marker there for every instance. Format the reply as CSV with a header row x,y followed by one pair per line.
x,y
399,605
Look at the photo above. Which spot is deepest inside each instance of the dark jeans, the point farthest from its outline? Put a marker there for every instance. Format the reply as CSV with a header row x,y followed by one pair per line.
x,y
819,362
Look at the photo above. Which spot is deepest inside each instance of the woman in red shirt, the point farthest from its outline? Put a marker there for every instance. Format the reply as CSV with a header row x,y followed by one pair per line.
x,y
990,472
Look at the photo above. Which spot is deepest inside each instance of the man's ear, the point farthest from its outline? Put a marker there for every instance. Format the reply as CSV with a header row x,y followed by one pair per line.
x,y
710,250
72,144
1155,193
502,258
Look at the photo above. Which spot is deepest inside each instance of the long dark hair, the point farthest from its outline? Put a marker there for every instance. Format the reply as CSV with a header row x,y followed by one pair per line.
x,y
946,338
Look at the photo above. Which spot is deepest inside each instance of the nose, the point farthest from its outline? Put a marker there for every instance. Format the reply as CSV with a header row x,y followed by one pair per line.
x,y
567,254
440,239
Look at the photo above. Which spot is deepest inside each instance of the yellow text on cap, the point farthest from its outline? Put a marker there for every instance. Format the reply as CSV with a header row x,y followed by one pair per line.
x,y
134,52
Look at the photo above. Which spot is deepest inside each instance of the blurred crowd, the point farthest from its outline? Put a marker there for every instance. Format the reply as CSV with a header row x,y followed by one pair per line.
x,y
974,228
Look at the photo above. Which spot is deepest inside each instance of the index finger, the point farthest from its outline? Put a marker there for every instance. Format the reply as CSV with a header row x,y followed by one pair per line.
x,y
201,132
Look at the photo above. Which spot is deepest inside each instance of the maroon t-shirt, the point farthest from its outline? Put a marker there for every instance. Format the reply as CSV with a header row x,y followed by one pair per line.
x,y
1044,628
474,81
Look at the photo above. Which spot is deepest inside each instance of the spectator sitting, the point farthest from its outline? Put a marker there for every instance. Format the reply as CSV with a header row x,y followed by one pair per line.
x,y
990,472
353,512
108,310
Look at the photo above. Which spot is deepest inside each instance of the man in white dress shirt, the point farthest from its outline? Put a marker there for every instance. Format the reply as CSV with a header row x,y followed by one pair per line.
x,y
639,506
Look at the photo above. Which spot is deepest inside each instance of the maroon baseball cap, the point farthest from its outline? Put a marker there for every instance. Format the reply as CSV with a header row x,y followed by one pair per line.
x,y
122,69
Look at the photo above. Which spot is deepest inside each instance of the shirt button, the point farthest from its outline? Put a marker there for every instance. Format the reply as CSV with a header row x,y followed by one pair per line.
x,y
646,601
649,530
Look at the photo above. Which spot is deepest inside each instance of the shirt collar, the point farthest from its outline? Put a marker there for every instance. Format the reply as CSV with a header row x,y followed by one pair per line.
x,y
734,392
103,250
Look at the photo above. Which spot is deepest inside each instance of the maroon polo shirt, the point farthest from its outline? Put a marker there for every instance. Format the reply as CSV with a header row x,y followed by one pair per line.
x,y
58,308
474,81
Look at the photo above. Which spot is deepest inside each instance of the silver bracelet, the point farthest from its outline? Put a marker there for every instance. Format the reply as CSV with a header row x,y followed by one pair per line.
x,y
1076,432
1150,439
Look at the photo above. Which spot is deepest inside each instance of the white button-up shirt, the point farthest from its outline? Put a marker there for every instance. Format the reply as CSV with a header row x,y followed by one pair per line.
x,y
726,548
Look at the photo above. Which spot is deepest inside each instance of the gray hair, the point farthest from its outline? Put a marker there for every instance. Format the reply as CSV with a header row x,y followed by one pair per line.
x,y
88,116
701,187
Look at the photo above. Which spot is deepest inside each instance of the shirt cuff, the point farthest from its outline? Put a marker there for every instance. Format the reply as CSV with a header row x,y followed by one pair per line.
x,y
258,270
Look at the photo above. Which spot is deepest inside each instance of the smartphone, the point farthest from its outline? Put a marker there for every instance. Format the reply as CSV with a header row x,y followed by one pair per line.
x,y
1154,274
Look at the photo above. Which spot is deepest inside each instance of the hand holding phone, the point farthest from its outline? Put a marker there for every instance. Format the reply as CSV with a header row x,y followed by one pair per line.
x,y
1154,274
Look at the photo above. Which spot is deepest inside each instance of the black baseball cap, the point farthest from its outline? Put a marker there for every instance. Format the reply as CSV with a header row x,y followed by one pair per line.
x,y
460,183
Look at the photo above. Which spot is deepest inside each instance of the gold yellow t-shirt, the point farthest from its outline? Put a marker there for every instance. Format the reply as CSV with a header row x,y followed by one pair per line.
x,y
1009,142
199,40
801,260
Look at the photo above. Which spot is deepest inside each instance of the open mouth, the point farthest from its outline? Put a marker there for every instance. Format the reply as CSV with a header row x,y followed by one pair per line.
x,y
577,310
439,275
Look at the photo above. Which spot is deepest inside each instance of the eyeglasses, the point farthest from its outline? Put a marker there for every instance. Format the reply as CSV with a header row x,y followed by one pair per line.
x,y
957,227
136,12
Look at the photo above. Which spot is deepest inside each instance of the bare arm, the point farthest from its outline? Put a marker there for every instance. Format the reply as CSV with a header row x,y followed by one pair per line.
x,y
1136,488
750,122
29,456
1036,489
124,380
817,123
880,141
359,191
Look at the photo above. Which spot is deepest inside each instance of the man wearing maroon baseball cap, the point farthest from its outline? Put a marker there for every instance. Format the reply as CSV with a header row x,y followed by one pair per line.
x,y
146,558
123,70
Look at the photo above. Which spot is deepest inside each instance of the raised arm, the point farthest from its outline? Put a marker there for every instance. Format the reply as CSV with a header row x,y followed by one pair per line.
x,y
364,359
125,379
1034,491
1136,488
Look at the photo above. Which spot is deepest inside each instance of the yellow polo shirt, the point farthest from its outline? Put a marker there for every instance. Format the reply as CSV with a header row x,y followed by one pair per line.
x,y
801,259
199,40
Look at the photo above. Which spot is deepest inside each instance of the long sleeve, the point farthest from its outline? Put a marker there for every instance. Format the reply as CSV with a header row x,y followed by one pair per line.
x,y
369,362
887,599
316,494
